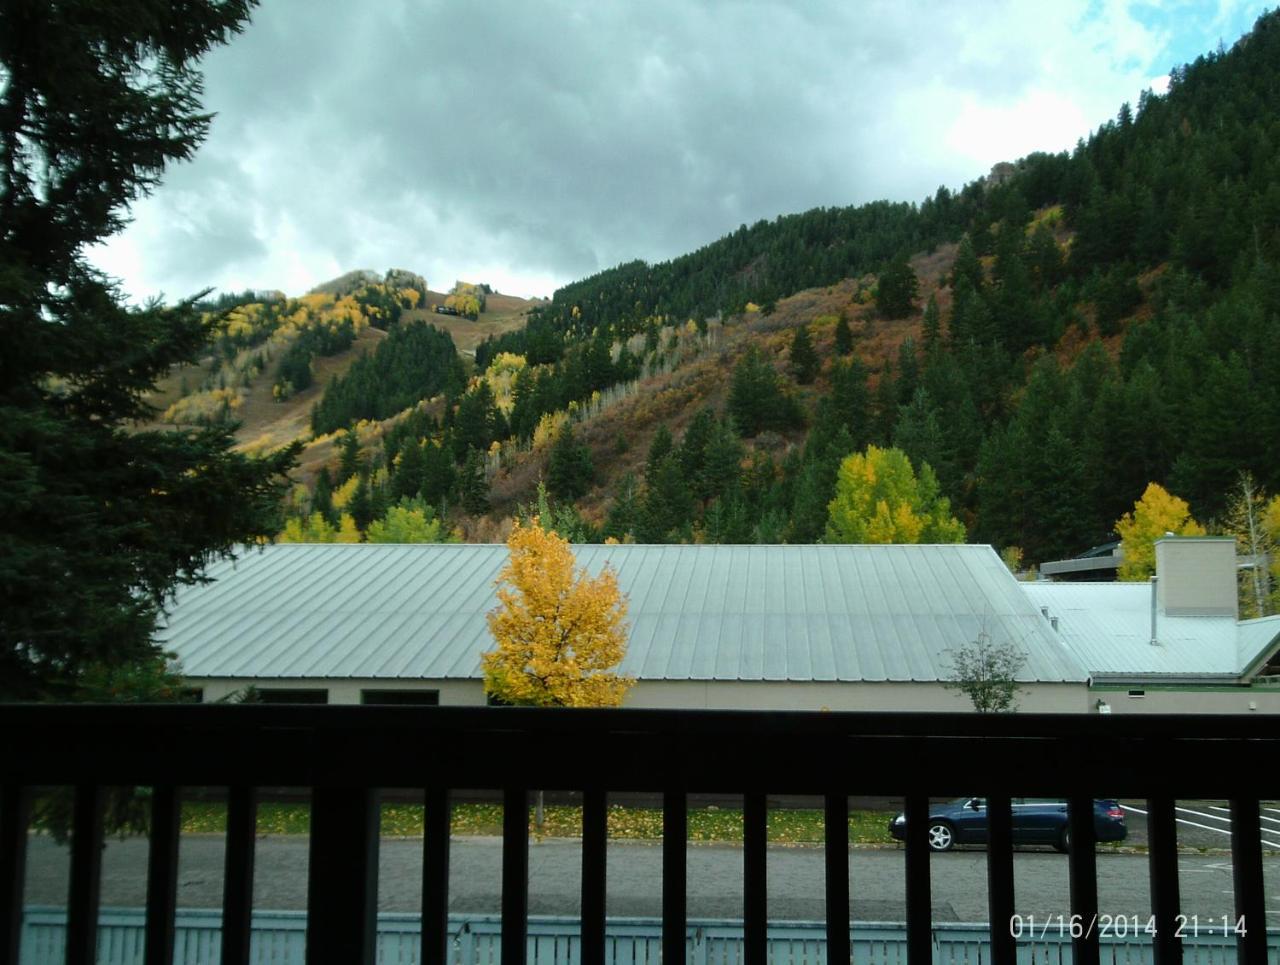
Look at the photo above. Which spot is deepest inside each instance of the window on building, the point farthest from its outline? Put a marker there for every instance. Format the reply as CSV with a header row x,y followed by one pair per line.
x,y
1137,693
281,695
401,698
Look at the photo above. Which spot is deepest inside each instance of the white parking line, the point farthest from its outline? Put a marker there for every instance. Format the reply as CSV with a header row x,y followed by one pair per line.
x,y
1205,827
1261,817
1201,814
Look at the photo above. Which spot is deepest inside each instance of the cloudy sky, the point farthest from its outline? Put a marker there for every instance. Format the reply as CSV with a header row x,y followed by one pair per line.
x,y
527,144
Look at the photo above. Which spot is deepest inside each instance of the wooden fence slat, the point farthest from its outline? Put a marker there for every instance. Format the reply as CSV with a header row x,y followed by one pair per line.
x,y
86,873
515,875
342,876
15,815
162,874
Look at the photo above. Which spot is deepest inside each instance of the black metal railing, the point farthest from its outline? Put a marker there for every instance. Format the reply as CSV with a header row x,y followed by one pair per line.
x,y
347,754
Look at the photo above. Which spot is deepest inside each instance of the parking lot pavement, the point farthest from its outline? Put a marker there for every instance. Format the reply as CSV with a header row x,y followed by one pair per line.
x,y
1202,825
796,888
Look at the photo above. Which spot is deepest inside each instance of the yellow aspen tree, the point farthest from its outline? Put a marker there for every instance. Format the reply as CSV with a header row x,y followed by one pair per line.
x,y
559,632
879,499
1271,523
1158,512
348,532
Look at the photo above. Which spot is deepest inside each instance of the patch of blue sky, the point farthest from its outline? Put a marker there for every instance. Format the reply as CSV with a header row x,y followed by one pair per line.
x,y
1192,27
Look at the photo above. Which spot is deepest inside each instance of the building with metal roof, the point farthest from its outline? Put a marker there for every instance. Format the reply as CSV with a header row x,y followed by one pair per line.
x,y
788,627
1174,644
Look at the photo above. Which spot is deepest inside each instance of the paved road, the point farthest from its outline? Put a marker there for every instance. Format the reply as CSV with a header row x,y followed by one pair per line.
x,y
635,882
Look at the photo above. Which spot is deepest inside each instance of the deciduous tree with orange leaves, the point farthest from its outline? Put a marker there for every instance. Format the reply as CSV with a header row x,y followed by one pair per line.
x,y
560,632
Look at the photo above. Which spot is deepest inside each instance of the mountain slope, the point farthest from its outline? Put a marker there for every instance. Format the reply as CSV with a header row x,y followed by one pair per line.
x,y
1104,318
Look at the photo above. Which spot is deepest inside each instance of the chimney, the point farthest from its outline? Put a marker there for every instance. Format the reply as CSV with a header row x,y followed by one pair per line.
x,y
1196,576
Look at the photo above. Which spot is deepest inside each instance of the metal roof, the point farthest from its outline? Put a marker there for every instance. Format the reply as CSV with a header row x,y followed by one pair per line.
x,y
1257,639
1108,625
800,613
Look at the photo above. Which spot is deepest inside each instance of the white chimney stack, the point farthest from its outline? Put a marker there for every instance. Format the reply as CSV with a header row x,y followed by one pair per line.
x,y
1196,576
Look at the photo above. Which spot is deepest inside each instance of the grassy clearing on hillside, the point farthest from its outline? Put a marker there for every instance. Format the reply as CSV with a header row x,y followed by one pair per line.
x,y
706,825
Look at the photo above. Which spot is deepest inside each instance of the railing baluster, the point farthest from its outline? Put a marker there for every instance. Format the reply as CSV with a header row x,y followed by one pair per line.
x,y
435,877
1082,863
162,874
595,839
342,876
515,875
1162,864
675,835
86,867
755,870
237,874
1246,871
15,815
836,834
919,912
1004,949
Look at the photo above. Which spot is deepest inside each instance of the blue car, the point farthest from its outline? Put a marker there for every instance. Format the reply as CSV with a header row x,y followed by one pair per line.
x,y
1035,821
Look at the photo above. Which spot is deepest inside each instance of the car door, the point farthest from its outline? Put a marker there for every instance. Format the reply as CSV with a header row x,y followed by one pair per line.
x,y
970,820
1039,820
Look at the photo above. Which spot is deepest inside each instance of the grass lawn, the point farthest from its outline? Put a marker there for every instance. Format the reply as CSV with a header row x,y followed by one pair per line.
x,y
642,824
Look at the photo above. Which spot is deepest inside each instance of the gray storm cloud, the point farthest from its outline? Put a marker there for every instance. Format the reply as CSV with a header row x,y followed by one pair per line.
x,y
540,142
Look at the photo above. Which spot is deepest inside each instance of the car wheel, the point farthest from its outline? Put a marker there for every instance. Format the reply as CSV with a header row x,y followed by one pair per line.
x,y
1063,844
941,836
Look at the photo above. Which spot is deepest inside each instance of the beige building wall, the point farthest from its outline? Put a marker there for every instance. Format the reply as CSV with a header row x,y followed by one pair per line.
x,y
1187,700
868,696
708,695
347,690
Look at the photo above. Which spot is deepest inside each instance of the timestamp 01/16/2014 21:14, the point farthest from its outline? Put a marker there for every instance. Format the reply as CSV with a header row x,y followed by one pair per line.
x,y
1123,926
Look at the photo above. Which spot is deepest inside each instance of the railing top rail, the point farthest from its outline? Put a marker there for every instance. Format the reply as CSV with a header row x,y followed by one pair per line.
x,y
633,749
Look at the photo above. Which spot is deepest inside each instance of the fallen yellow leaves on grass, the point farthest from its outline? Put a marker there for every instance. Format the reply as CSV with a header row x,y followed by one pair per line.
x,y
709,825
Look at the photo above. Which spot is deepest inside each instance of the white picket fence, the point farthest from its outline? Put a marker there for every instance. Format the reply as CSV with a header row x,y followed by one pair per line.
x,y
279,938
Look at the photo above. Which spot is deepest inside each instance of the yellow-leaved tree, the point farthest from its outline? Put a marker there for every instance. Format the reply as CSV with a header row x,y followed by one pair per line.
x,y
879,499
1156,514
560,633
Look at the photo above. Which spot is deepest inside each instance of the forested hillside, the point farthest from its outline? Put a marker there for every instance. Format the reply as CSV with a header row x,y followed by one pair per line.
x,y
1048,342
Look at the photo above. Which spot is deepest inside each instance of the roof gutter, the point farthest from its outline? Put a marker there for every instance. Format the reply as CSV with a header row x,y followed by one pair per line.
x,y
1169,678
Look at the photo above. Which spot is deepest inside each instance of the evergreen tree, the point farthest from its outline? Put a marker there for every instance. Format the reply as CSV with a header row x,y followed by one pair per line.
x,y
722,463
668,505
438,474
361,505
693,447
908,369
475,423
804,360
757,400
919,434
844,335
570,471
624,514
967,270
322,497
850,401
475,484
100,521
661,446
415,361
410,470
886,405
932,325
349,462
897,289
